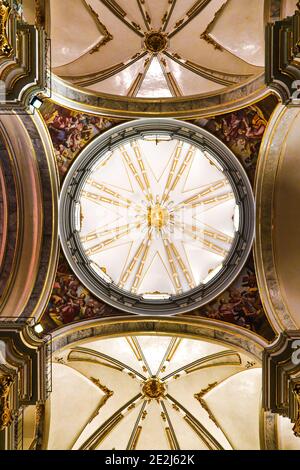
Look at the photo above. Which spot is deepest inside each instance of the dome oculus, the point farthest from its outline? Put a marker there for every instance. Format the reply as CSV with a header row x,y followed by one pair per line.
x,y
156,217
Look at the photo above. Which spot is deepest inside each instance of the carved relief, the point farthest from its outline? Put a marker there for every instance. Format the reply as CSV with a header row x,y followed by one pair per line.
x,y
283,53
5,46
281,385
206,34
107,394
39,15
6,415
39,427
24,75
155,41
153,388
296,427
199,396
102,29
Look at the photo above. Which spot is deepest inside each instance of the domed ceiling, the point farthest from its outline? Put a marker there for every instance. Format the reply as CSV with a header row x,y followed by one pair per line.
x,y
153,392
157,48
156,216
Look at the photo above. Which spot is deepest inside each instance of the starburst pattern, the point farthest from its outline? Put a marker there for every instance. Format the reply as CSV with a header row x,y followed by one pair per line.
x,y
155,62
156,392
157,217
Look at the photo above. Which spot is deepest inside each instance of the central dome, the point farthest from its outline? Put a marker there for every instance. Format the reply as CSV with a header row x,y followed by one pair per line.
x,y
156,216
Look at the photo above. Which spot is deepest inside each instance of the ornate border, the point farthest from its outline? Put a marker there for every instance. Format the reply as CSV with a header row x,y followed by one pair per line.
x,y
206,34
5,46
268,282
31,271
101,27
282,50
117,297
232,98
201,329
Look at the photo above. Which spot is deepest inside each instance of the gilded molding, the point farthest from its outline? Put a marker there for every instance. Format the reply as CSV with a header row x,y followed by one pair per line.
x,y
197,7
26,380
234,98
102,29
265,260
206,34
282,57
95,77
6,414
29,235
171,441
28,285
296,427
268,430
39,13
107,394
281,379
168,13
199,397
28,357
224,79
39,427
5,46
135,439
25,73
92,442
113,6
210,330
53,194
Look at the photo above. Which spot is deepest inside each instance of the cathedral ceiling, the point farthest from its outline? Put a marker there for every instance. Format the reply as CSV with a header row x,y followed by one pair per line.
x,y
157,49
240,304
153,392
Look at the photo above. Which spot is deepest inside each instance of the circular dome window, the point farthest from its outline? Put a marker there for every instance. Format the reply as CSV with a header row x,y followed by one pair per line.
x,y
156,217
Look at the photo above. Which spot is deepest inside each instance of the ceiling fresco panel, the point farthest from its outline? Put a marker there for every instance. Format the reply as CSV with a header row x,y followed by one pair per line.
x,y
242,132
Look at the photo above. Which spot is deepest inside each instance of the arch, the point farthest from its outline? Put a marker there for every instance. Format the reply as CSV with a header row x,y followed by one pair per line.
x,y
208,330
31,191
277,223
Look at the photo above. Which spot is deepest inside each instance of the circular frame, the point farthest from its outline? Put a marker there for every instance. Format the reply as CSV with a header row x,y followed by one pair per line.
x,y
70,196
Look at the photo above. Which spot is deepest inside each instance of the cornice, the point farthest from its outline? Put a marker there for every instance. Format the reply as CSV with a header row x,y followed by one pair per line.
x,y
232,98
